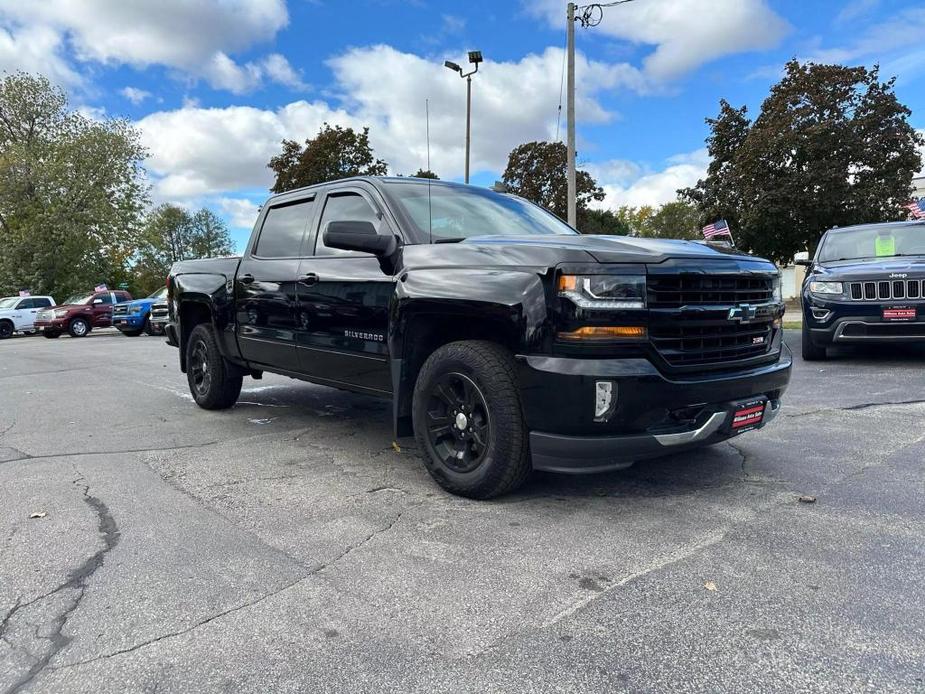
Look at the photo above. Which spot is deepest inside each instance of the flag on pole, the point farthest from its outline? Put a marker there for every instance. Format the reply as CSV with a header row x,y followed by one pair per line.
x,y
100,288
24,292
717,228
917,209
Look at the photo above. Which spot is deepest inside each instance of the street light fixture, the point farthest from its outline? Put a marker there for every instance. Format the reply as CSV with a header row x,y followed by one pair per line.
x,y
475,57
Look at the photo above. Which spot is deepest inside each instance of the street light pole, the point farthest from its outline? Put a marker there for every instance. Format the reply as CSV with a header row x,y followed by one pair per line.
x,y
570,116
475,57
468,120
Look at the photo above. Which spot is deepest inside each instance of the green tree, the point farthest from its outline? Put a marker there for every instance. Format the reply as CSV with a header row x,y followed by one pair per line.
x,y
72,192
537,171
171,234
426,173
832,146
679,219
603,222
333,153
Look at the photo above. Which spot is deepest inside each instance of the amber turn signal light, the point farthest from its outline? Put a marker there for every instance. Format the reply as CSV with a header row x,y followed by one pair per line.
x,y
606,332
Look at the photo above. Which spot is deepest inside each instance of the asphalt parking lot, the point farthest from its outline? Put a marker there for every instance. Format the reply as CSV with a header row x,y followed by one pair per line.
x,y
287,545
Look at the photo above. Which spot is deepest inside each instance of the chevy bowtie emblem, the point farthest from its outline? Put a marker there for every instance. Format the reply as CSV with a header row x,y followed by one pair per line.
x,y
743,314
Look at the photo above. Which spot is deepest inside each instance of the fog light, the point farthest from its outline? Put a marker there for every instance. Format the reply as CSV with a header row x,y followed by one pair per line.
x,y
821,314
605,399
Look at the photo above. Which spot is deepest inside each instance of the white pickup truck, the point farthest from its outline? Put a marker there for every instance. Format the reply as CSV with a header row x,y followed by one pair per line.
x,y
17,313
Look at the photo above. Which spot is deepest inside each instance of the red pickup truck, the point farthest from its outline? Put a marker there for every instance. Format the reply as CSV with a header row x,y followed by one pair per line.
x,y
80,314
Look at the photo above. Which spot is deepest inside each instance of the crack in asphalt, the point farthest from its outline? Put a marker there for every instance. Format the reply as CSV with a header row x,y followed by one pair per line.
x,y
77,580
854,408
28,456
310,574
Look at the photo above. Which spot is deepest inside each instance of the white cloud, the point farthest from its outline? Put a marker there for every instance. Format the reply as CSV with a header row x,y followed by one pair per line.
x,y
134,94
35,49
651,187
195,38
197,151
240,212
685,33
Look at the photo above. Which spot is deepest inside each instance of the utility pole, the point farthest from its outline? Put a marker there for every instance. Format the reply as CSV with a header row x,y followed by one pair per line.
x,y
570,116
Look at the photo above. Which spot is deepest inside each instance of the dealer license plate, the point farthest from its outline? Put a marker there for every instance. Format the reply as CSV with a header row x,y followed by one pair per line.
x,y
899,313
748,415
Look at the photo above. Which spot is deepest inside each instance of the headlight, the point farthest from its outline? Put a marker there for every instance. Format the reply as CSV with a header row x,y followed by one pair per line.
x,y
61,314
777,294
826,288
134,309
604,292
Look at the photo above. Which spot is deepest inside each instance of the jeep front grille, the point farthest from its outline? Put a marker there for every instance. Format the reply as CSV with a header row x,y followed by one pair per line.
x,y
886,290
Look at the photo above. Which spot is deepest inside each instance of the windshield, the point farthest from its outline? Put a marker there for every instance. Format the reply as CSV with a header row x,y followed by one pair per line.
x,y
79,299
873,242
9,302
159,294
454,213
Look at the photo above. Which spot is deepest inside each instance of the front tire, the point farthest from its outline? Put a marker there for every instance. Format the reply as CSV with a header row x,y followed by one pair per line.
x,y
6,329
78,328
211,382
468,420
810,351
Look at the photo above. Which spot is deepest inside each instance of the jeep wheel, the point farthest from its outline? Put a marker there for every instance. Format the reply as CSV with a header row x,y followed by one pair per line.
x,y
6,329
810,351
78,327
468,420
212,385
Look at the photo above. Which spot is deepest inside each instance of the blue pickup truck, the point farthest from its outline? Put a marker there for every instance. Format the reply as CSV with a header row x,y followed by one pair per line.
x,y
133,317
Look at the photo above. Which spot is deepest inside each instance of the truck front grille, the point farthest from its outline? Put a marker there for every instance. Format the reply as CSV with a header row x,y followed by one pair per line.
x,y
159,311
674,291
690,324
120,310
886,290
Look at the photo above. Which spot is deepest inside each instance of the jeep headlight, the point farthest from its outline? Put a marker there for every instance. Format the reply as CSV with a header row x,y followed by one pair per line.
x,y
604,292
826,287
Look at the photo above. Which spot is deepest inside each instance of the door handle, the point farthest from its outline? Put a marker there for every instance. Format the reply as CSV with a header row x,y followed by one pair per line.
x,y
246,279
309,279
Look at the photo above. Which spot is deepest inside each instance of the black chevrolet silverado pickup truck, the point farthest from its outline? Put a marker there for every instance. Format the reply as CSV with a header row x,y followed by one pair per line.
x,y
506,341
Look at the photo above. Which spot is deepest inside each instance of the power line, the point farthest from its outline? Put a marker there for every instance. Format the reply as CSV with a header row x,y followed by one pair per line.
x,y
592,15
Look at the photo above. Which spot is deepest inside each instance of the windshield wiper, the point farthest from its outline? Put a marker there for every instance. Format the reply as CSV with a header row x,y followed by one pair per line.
x,y
455,239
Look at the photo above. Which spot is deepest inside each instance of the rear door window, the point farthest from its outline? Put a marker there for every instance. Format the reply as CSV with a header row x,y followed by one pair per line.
x,y
283,230
41,302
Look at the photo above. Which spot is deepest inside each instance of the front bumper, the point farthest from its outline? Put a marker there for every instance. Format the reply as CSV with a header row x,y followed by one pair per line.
x,y
832,322
587,454
56,325
128,321
653,415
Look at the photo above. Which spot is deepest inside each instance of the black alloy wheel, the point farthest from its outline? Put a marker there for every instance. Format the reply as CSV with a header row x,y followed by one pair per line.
x,y
458,422
213,382
6,329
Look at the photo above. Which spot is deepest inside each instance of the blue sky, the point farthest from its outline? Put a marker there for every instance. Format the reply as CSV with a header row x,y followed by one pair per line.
x,y
214,85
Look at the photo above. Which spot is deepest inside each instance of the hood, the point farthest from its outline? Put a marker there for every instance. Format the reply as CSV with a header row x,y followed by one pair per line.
x,y
138,302
873,268
536,251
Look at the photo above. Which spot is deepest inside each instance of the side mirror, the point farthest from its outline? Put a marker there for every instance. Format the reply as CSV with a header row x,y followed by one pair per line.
x,y
97,301
359,236
804,263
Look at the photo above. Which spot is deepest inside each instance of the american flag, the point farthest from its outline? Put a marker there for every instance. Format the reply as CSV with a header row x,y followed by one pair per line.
x,y
917,209
717,228
24,292
100,288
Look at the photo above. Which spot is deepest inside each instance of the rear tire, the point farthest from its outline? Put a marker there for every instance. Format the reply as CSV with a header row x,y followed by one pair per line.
x,y
78,328
211,382
810,351
468,420
6,329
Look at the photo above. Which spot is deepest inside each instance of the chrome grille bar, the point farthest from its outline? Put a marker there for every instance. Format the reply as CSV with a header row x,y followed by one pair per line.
x,y
886,290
